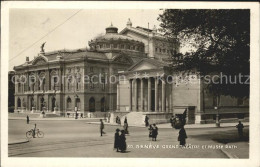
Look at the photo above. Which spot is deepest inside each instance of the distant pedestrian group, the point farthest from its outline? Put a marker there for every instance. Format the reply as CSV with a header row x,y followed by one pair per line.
x,y
120,141
153,132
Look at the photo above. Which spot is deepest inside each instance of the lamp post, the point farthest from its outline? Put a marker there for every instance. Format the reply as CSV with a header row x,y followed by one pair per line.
x,y
217,117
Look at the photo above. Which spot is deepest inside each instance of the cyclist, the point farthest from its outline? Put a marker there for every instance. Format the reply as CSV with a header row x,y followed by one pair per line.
x,y
34,130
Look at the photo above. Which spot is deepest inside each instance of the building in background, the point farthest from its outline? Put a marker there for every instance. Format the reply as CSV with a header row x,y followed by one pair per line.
x,y
141,59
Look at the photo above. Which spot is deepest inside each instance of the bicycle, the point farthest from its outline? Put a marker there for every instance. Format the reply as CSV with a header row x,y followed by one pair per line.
x,y
39,133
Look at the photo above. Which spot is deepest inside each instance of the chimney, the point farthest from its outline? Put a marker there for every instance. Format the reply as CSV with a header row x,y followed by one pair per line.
x,y
27,59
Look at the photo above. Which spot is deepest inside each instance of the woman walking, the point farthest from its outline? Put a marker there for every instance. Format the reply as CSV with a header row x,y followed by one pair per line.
x,y
122,145
117,140
150,132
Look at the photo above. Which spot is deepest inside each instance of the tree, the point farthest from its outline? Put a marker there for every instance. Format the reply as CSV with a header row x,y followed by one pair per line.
x,y
219,42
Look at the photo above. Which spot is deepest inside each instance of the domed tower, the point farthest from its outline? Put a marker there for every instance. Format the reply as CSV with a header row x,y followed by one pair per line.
x,y
112,41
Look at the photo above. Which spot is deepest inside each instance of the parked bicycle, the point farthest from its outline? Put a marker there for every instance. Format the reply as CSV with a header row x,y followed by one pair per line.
x,y
38,133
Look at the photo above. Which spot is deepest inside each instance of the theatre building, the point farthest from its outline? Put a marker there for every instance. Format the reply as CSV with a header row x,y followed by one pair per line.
x,y
140,59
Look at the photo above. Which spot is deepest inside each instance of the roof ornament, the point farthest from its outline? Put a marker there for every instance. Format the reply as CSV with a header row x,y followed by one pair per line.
x,y
42,47
129,23
111,24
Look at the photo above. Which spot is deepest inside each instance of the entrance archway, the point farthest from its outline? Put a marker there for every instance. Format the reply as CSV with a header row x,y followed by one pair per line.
x,y
42,104
78,103
69,103
102,102
53,102
32,103
92,104
18,102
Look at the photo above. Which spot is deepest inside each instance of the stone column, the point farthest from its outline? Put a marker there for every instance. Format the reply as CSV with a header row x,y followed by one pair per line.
x,y
135,94
47,80
172,99
142,94
130,95
118,98
156,94
149,95
163,96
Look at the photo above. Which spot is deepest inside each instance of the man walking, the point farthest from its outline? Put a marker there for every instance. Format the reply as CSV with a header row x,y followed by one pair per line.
x,y
146,121
101,127
240,127
28,119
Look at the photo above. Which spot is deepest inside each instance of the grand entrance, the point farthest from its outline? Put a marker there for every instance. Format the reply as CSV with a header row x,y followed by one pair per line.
x,y
152,100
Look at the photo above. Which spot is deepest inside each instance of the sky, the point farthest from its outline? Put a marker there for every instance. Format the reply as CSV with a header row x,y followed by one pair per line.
x,y
29,28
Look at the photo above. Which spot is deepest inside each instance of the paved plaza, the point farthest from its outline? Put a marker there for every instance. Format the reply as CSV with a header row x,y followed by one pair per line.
x,y
78,138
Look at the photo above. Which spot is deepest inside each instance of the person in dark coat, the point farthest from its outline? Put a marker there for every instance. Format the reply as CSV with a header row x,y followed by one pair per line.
x,y
117,140
28,119
122,145
126,126
240,127
154,132
182,136
146,120
172,121
150,132
101,127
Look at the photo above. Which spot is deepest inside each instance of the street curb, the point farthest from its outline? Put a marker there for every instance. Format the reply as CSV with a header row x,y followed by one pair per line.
x,y
229,155
18,142
97,123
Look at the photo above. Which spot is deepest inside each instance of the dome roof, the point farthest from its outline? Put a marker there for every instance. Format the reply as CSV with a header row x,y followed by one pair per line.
x,y
112,34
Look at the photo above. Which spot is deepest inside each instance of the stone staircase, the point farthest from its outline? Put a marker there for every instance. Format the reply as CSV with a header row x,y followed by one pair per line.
x,y
134,118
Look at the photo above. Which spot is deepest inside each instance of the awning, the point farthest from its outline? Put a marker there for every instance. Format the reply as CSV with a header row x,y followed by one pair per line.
x,y
179,110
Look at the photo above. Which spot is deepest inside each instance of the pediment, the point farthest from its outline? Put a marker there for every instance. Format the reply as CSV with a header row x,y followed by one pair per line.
x,y
39,60
145,65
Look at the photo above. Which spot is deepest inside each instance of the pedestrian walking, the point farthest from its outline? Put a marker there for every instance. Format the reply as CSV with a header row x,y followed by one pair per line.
x,y
126,128
81,115
240,127
101,127
28,119
117,140
172,121
182,136
108,117
122,145
146,120
118,121
154,132
150,132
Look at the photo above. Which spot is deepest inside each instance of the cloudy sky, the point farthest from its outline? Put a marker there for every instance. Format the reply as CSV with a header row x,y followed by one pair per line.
x,y
29,28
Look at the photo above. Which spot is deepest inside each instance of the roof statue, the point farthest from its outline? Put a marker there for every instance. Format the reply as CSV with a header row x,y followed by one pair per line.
x,y
42,47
